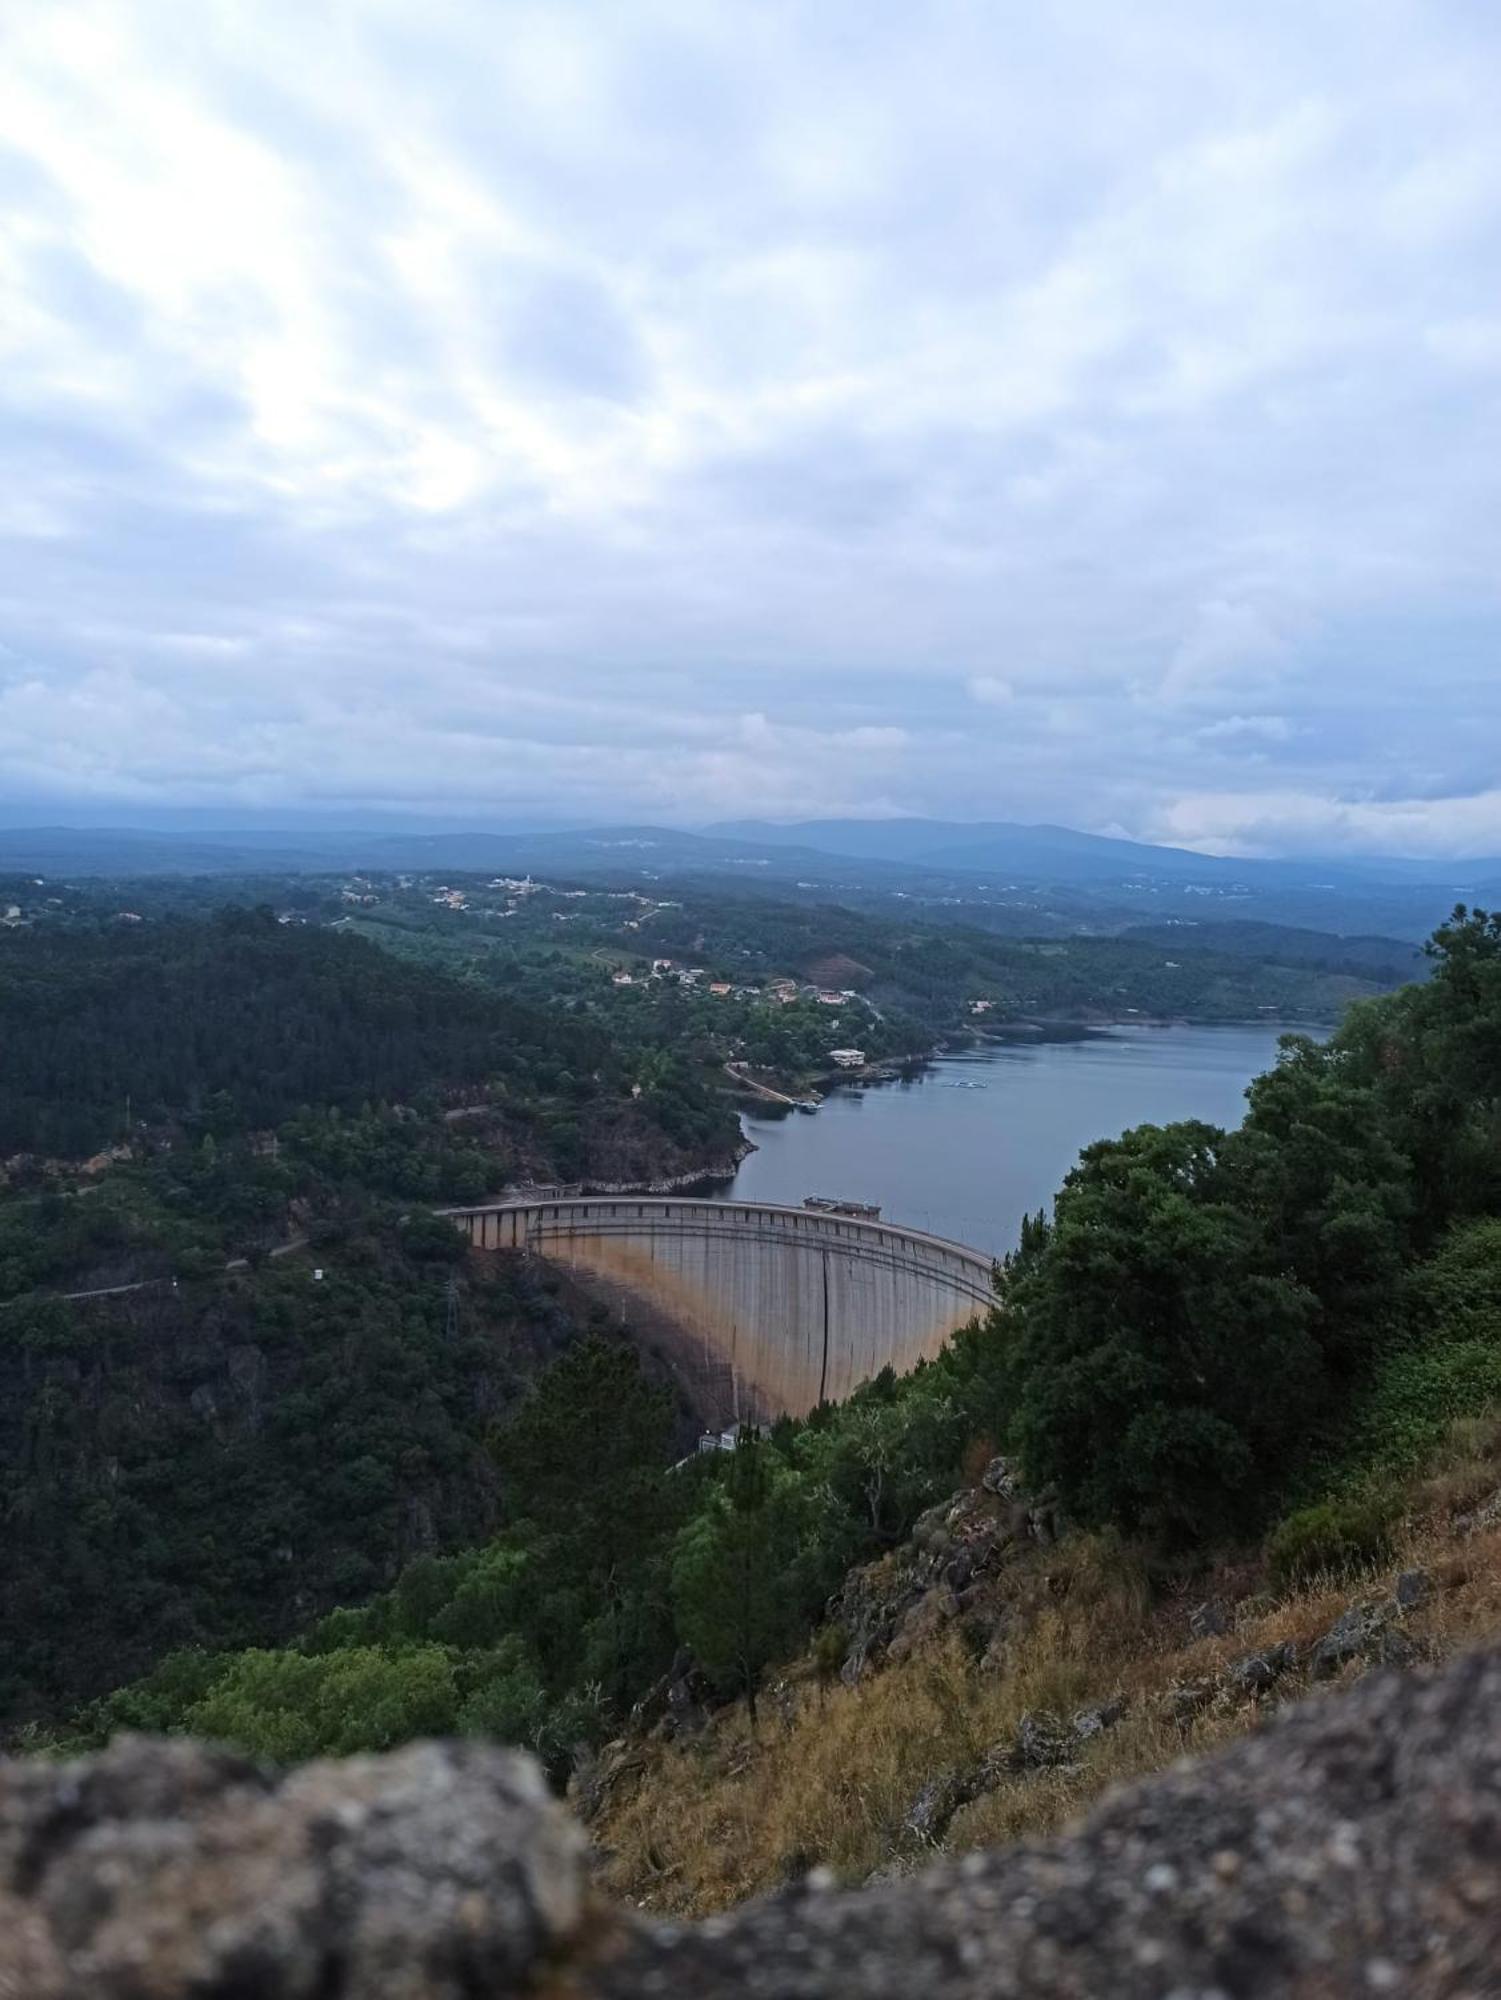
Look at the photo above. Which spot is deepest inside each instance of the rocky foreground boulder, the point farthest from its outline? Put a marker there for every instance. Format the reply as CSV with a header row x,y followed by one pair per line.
x,y
1351,1847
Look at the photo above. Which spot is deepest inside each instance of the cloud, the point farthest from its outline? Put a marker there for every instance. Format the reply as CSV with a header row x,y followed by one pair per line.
x,y
991,691
1284,821
1227,642
1246,731
491,413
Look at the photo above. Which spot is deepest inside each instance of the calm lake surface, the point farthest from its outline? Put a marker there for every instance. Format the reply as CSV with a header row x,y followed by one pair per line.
x,y
979,1139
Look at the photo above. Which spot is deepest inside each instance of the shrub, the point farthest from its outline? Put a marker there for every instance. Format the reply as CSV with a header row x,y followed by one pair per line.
x,y
289,1706
1456,1295
1416,1396
1335,1538
830,1645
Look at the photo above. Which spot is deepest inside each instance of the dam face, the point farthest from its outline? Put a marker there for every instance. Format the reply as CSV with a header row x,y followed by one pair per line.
x,y
791,1306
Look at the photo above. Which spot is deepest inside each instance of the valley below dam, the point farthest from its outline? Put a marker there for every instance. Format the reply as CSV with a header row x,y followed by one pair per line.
x,y
976,1140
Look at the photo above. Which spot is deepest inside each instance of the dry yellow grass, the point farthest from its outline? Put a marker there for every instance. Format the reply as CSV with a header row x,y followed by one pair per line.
x,y
832,1774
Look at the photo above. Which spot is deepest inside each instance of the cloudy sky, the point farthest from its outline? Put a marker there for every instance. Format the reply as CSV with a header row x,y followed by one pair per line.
x,y
1083,412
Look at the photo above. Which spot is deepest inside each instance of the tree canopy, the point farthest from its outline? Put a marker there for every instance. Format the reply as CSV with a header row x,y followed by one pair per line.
x,y
1206,1308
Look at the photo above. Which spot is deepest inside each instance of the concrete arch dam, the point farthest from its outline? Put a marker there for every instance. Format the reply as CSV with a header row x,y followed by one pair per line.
x,y
766,1310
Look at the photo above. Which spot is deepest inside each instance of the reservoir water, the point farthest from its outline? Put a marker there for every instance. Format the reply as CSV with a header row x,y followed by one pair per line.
x,y
975,1141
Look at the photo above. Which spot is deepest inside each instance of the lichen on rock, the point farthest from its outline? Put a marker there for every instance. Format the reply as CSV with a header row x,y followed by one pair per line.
x,y
165,1869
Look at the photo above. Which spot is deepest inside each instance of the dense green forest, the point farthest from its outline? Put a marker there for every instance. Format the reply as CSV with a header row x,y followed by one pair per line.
x,y
1390,960
240,1023
1215,1336
214,1463
608,1562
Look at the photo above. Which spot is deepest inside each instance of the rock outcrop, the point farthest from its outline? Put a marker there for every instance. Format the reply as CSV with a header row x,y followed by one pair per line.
x,y
1353,1846
890,1609
164,1869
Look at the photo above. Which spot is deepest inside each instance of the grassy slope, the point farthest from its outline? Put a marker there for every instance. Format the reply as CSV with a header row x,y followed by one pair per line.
x,y
693,1827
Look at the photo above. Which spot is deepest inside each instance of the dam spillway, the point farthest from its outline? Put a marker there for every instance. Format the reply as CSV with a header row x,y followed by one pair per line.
x,y
793,1307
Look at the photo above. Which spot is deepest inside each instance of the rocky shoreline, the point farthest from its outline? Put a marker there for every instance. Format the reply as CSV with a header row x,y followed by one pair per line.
x,y
684,1183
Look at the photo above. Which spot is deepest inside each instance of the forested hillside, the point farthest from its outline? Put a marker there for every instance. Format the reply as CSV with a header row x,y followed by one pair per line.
x,y
934,972
242,1376
1217,1338
1390,960
239,1023
922,976
212,1464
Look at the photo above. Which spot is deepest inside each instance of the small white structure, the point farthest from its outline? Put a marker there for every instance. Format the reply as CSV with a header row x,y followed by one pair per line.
x,y
848,1058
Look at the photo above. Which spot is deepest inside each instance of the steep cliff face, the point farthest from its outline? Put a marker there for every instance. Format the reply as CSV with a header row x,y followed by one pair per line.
x,y
217,1465
1353,1846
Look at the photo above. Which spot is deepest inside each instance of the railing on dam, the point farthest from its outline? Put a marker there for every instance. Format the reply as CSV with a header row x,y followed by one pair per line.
x,y
798,1307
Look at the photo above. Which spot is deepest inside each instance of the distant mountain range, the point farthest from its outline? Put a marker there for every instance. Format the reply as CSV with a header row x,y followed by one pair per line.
x,y
1002,876
123,852
1062,854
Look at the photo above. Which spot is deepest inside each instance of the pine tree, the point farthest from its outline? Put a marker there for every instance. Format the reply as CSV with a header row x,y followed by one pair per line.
x,y
733,1570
